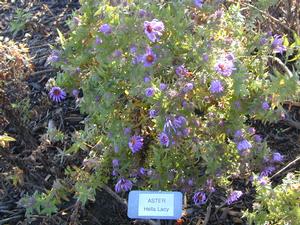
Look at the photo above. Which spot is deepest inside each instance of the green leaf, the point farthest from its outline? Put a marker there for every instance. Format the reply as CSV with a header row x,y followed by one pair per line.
x,y
6,138
61,38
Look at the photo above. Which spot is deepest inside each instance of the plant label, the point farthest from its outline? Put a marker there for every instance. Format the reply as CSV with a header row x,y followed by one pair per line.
x,y
154,205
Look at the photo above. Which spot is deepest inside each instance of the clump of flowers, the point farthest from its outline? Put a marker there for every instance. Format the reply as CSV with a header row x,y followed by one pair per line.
x,y
276,204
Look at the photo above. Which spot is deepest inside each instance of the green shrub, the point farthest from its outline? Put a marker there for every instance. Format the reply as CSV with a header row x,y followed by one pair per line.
x,y
278,205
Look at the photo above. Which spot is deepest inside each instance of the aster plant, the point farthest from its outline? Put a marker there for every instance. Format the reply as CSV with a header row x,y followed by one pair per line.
x,y
175,98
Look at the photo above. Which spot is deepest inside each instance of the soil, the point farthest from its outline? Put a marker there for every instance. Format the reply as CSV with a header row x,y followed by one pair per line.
x,y
37,167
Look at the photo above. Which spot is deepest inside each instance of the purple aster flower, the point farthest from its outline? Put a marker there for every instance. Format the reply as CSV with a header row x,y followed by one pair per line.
x,y
251,130
77,70
257,138
152,113
269,34
136,143
265,106
219,13
98,41
209,185
137,59
238,135
262,180
149,92
184,104
57,94
205,57
283,116
198,3
153,29
142,13
277,157
123,185
142,171
179,121
97,98
127,130
244,145
149,58
54,57
115,163
164,139
267,171
116,148
277,45
216,86
190,182
224,67
75,93
263,41
188,87
117,53
199,198
230,56
162,86
186,132
133,49
169,125
105,29
147,79
181,71
234,196
114,173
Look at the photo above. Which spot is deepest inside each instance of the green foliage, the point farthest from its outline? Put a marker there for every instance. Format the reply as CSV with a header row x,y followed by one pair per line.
x,y
23,108
277,205
55,135
21,18
45,203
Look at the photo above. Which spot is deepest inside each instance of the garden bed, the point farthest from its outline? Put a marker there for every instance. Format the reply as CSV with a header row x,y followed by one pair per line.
x,y
32,163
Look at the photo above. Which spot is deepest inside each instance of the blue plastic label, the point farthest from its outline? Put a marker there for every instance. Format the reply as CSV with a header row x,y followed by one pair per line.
x,y
154,205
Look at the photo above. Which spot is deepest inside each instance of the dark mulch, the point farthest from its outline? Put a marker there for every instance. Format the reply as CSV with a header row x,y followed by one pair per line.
x,y
37,168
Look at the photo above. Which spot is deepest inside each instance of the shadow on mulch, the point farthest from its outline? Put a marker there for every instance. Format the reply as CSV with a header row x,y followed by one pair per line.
x,y
105,210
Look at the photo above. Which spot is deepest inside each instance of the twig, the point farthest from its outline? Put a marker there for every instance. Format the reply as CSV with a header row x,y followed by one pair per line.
x,y
282,65
42,71
42,45
284,168
114,195
292,123
3,221
207,216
